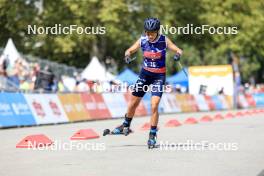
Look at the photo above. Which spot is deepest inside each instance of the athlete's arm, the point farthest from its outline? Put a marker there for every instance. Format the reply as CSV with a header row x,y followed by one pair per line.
x,y
133,48
173,47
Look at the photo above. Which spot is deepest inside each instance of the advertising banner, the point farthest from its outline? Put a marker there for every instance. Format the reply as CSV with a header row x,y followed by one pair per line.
x,y
73,107
210,102
116,104
14,110
242,101
187,102
211,80
218,103
95,105
250,100
170,103
46,108
201,102
259,99
141,110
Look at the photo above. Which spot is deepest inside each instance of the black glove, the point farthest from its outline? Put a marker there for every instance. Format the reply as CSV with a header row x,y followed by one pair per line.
x,y
177,57
127,59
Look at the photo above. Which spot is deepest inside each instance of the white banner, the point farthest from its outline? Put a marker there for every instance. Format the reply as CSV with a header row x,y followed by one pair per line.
x,y
201,102
116,104
169,103
46,108
211,80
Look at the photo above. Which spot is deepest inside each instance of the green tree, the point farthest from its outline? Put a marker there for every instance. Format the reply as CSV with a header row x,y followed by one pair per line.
x,y
124,19
248,16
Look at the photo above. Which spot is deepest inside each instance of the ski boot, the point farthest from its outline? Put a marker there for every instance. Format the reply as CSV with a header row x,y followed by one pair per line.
x,y
152,140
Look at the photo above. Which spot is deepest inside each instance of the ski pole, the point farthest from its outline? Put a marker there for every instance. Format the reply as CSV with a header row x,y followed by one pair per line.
x,y
180,65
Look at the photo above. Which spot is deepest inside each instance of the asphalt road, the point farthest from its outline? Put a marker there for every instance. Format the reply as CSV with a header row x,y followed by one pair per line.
x,y
229,147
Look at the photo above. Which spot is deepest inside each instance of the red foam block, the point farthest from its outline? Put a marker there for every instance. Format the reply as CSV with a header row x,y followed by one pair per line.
x,y
248,113
173,123
218,117
229,116
190,120
258,111
244,113
34,141
206,118
254,111
85,134
145,126
239,114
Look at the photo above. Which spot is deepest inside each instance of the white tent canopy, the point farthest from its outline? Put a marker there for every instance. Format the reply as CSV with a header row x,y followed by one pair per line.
x,y
10,52
96,71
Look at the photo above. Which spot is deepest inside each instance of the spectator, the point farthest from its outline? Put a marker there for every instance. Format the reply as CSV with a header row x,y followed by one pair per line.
x,y
45,80
15,72
82,86
3,66
61,87
24,85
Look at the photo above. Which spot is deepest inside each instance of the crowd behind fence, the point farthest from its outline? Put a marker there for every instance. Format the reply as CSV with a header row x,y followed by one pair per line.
x,y
30,74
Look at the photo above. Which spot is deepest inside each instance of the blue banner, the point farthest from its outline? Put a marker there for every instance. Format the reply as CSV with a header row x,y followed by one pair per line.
x,y
217,102
259,99
14,110
201,102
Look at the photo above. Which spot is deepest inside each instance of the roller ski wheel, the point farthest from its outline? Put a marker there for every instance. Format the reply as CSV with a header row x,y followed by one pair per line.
x,y
126,131
152,141
106,132
121,130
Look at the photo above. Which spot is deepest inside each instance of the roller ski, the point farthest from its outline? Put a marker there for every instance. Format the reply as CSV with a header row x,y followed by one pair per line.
x,y
120,130
123,129
152,141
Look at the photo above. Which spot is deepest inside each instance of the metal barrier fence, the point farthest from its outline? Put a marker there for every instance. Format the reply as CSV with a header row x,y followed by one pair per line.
x,y
7,85
57,68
